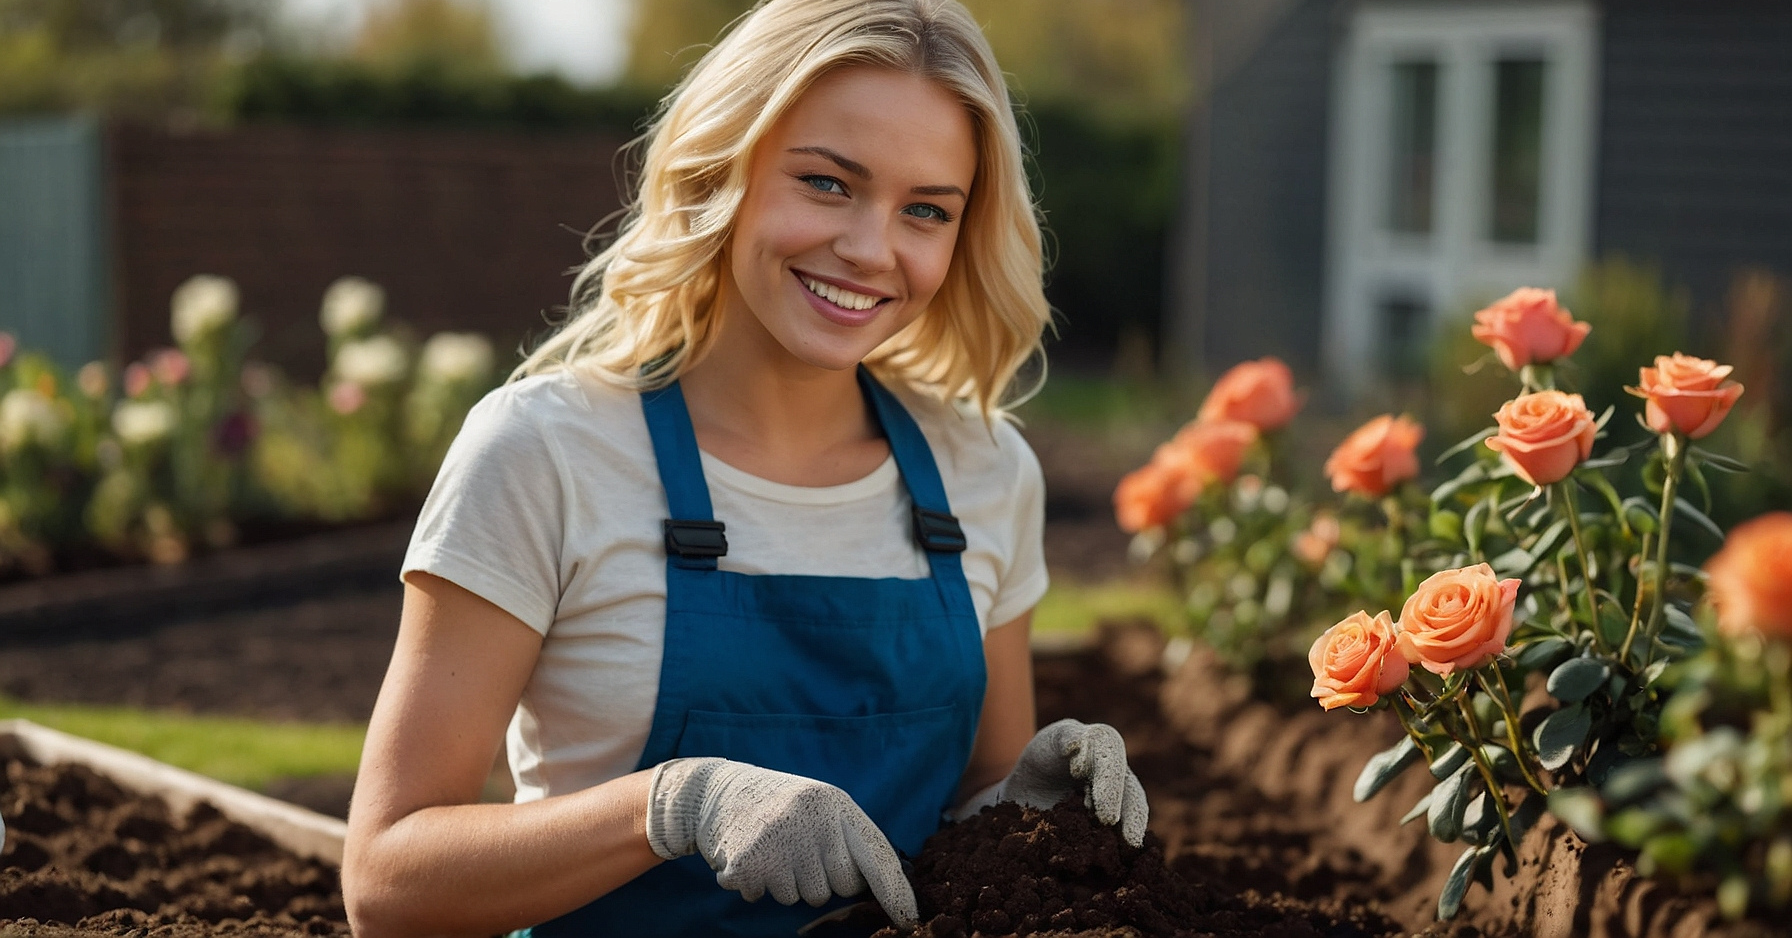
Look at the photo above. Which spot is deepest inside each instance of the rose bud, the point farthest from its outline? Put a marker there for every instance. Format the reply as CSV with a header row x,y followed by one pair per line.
x,y
1376,457
1686,394
1529,326
1355,662
1750,579
1260,393
1457,619
1544,435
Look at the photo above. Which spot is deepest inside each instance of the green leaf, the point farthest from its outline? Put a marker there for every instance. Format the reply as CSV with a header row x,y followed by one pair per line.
x,y
1513,562
1632,826
1445,525
1547,653
1504,763
1697,478
1422,808
1581,809
1599,482
1560,735
1574,679
1671,853
1616,457
1633,780
1479,819
1474,525
1465,445
1614,622
1640,515
1547,542
1717,461
1384,766
1685,509
1678,628
1449,901
1448,761
1732,896
1448,802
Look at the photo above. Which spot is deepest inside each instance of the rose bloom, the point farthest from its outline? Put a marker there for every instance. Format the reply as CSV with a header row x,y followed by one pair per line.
x,y
1376,457
1686,394
1212,450
1529,326
1260,393
1457,619
1152,495
1317,541
1544,435
1750,579
1355,662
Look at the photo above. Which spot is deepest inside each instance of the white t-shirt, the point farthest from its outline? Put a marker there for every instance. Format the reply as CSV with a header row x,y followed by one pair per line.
x,y
549,505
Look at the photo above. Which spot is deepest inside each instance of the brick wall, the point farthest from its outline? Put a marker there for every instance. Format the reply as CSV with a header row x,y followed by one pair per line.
x,y
465,230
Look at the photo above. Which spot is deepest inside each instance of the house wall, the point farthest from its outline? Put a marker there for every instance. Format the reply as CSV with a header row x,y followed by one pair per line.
x,y
1265,226
465,230
1695,149
53,280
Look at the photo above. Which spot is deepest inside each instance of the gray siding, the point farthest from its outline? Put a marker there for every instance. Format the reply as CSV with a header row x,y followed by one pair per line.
x,y
53,277
1266,192
1695,149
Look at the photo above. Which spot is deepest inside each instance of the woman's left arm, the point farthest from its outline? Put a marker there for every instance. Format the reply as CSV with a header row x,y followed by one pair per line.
x,y
1008,720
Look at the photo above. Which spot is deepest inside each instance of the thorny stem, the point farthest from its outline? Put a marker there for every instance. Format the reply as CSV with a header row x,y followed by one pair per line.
x,y
1504,698
1586,566
1494,791
1673,446
1636,606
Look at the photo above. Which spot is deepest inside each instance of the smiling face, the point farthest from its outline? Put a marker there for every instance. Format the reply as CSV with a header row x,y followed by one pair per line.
x,y
852,210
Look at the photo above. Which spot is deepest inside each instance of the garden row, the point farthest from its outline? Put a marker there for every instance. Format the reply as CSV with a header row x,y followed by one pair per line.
x,y
197,447
1547,624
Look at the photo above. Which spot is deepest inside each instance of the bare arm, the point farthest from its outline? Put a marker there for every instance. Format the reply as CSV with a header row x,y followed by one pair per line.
x,y
422,857
1008,720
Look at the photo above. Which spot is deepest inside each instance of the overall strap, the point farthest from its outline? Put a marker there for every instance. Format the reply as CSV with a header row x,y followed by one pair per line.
x,y
937,531
694,539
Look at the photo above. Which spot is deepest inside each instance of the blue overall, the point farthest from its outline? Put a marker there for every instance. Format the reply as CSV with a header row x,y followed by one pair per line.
x,y
873,685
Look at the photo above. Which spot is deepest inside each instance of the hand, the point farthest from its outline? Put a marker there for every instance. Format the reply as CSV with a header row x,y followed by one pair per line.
x,y
765,831
1068,757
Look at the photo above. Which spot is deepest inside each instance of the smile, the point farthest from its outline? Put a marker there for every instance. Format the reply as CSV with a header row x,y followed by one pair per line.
x,y
846,299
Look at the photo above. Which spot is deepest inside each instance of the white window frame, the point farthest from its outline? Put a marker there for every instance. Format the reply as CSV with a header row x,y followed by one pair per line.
x,y
1458,265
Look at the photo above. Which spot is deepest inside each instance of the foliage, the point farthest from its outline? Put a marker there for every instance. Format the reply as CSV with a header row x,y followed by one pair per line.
x,y
175,453
449,35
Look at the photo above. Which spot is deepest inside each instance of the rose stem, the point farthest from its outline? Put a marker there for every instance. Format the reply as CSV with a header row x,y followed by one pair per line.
x,y
1401,705
1673,447
1504,698
1494,790
1636,605
1586,566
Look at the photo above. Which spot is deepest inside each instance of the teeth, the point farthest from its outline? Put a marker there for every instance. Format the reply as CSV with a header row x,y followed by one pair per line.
x,y
839,297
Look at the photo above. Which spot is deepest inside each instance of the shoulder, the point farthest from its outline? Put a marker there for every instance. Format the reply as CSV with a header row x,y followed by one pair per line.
x,y
965,445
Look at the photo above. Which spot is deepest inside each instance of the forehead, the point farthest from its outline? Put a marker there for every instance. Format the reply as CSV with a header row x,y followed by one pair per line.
x,y
896,123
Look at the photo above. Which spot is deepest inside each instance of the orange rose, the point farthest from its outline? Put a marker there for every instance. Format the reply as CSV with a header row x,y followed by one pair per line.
x,y
1686,394
1150,496
1377,456
1544,435
1316,543
1210,450
1351,663
1260,393
1750,581
1457,619
1529,326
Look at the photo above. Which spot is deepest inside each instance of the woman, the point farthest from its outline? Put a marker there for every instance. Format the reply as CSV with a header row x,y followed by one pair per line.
x,y
726,553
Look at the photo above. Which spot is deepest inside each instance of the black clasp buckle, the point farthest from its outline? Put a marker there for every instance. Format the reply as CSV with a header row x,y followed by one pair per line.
x,y
695,540
938,531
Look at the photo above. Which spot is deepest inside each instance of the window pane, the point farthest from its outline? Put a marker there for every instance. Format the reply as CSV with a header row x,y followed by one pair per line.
x,y
1517,150
1405,321
1413,146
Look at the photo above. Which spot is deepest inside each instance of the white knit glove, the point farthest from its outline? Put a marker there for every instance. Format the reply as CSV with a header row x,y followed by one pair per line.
x,y
1068,757
764,831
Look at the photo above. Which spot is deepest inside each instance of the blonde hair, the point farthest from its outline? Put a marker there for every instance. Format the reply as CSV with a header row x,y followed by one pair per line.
x,y
643,310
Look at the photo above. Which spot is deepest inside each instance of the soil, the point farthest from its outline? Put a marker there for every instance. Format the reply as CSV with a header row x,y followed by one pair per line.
x,y
86,857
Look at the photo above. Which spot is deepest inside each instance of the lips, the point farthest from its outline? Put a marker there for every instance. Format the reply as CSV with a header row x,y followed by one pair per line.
x,y
838,304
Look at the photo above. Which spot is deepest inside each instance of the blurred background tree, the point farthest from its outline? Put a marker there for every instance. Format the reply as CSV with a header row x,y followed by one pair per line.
x,y
450,36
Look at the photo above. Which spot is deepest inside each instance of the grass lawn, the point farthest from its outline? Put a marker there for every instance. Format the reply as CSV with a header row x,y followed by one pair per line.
x,y
242,752
1070,607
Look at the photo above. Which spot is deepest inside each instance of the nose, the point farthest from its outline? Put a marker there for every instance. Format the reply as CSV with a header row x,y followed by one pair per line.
x,y
866,243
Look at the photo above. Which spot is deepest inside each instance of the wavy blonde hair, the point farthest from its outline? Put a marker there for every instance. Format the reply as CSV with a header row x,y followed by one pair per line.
x,y
643,310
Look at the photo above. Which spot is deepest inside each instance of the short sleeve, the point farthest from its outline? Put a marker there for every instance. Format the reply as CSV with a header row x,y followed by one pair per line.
x,y
1024,582
492,523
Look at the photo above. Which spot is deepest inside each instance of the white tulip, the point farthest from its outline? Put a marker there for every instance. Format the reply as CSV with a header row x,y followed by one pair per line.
x,y
140,422
351,306
456,356
202,305
372,362
28,417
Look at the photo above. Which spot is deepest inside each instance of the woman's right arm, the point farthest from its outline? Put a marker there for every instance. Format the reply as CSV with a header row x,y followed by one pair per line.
x,y
422,857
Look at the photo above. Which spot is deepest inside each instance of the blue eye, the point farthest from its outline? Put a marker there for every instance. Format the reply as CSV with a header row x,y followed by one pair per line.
x,y
924,210
826,184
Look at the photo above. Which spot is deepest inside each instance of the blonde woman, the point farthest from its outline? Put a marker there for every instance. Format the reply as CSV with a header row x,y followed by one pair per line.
x,y
741,563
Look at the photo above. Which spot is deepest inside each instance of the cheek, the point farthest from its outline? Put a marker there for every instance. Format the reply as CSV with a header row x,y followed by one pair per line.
x,y
928,264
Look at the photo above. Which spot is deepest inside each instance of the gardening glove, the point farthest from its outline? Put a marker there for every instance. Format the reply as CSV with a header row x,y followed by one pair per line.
x,y
764,831
1068,757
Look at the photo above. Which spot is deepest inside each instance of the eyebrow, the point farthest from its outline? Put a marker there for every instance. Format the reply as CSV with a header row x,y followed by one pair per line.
x,y
864,172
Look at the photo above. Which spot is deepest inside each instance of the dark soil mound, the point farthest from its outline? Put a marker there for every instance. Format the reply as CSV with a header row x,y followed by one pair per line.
x,y
1020,871
82,851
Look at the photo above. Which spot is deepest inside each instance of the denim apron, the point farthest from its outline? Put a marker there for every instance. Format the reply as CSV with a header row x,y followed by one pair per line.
x,y
873,685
